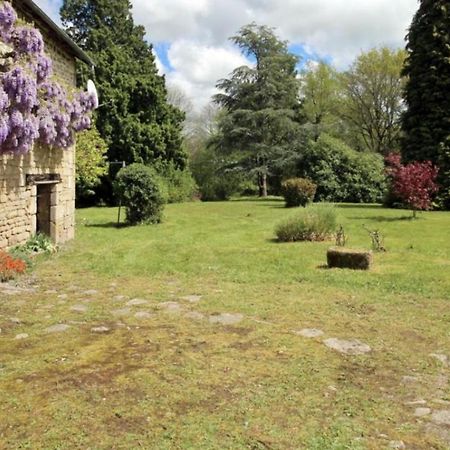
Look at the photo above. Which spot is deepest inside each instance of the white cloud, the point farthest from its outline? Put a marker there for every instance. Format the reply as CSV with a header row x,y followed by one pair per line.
x,y
198,30
197,68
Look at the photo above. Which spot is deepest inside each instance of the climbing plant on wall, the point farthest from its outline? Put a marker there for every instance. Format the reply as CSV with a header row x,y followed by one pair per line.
x,y
34,107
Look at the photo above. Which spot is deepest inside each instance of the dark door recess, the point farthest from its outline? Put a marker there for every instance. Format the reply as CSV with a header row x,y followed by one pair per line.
x,y
43,208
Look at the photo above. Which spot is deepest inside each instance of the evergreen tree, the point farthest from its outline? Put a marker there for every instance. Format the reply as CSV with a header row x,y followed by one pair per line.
x,y
135,119
426,123
261,102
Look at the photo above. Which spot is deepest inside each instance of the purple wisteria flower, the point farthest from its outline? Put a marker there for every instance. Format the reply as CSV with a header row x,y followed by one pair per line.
x,y
8,18
28,41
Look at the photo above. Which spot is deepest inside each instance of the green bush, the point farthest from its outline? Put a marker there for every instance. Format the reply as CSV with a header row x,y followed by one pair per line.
x,y
180,184
314,223
215,179
142,192
342,174
298,191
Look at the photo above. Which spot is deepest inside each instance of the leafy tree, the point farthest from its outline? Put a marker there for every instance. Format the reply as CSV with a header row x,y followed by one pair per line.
x,y
320,93
261,102
426,122
90,162
414,183
372,103
135,119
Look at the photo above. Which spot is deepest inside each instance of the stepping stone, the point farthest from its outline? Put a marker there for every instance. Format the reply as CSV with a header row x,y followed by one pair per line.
x,y
194,315
63,296
416,403
192,298
15,320
59,328
440,357
352,347
143,315
309,332
226,318
441,417
90,292
100,329
51,291
122,312
79,308
171,307
407,379
119,298
397,444
421,412
137,302
21,336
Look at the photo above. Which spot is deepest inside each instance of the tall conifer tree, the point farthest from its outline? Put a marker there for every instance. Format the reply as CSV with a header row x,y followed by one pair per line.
x,y
136,120
261,101
426,123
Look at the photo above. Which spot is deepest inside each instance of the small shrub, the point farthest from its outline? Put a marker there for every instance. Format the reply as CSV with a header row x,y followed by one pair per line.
x,y
298,191
10,267
39,243
142,192
377,239
314,223
341,237
180,184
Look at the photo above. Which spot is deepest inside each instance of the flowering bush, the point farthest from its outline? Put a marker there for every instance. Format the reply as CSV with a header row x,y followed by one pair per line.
x,y
10,267
33,106
414,184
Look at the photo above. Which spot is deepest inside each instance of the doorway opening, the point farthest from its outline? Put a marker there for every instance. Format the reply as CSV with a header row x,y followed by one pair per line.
x,y
43,199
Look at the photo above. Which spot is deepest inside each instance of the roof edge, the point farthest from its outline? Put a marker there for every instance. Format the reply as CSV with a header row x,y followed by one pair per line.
x,y
60,34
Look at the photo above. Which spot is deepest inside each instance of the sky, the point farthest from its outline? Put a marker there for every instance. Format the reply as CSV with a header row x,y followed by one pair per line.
x,y
190,37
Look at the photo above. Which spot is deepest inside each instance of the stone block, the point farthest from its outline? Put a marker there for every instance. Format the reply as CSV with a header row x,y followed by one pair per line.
x,y
346,258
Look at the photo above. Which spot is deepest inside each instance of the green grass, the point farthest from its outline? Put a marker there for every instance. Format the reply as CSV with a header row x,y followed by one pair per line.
x,y
169,382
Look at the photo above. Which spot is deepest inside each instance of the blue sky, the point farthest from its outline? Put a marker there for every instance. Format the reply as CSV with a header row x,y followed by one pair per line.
x,y
192,49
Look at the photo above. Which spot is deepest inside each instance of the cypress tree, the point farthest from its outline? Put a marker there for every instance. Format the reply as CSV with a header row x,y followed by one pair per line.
x,y
136,120
426,122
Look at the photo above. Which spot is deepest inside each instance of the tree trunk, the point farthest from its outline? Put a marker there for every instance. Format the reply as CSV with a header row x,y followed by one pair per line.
x,y
262,184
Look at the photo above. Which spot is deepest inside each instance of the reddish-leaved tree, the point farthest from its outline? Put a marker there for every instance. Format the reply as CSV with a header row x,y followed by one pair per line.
x,y
414,184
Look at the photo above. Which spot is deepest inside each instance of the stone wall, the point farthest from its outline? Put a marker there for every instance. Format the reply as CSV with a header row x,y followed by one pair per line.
x,y
18,199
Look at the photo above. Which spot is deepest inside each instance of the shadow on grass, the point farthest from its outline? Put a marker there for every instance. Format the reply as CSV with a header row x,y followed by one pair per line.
x,y
107,225
358,206
384,219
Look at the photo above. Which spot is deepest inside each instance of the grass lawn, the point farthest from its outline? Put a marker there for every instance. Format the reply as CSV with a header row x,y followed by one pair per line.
x,y
162,374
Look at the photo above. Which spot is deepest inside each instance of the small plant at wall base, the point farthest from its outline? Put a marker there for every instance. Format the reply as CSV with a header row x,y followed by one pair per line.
x,y
10,267
298,191
414,184
314,223
142,192
34,108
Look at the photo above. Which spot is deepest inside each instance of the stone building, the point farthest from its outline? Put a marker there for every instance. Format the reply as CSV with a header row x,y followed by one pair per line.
x,y
37,190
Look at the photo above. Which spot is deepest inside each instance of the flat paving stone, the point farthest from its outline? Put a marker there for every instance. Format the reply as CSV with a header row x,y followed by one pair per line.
x,y
90,292
137,302
59,328
143,315
441,417
192,298
397,444
171,307
15,320
440,357
51,291
309,332
421,412
119,298
21,336
122,312
350,347
226,318
194,315
63,296
79,308
101,329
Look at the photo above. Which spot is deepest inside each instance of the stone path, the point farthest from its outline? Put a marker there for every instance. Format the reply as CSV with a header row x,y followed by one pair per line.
x,y
434,413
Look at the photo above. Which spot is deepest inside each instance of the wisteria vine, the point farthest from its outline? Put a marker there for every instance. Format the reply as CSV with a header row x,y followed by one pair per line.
x,y
33,106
